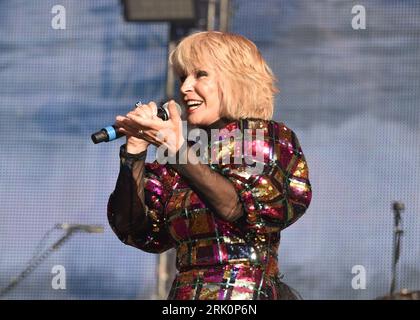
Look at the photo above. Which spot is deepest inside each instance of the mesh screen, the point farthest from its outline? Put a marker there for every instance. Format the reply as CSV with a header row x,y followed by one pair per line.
x,y
350,95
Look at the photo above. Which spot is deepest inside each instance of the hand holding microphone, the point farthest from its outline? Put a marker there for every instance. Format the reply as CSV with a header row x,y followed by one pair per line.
x,y
137,140
147,124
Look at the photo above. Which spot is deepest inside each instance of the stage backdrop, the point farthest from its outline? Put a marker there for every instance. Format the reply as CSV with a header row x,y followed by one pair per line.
x,y
350,92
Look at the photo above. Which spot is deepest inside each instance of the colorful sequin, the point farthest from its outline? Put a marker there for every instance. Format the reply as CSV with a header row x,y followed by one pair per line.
x,y
217,259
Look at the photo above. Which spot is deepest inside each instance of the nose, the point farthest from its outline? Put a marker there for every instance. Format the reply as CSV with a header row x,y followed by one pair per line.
x,y
187,85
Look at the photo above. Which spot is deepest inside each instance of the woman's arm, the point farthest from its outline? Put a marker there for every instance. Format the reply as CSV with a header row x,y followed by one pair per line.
x,y
135,208
271,200
279,195
212,187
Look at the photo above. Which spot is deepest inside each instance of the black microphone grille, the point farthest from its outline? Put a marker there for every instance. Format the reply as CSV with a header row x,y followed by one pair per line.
x,y
163,111
398,206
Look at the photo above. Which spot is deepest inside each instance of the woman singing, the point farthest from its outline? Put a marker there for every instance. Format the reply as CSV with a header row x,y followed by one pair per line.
x,y
222,215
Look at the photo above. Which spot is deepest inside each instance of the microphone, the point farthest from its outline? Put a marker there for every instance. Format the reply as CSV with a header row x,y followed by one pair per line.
x,y
110,133
398,206
81,227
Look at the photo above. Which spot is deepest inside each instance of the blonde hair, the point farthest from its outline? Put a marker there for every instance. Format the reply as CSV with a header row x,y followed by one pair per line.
x,y
246,81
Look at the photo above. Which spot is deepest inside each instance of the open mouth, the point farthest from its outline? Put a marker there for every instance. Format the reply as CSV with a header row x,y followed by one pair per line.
x,y
193,105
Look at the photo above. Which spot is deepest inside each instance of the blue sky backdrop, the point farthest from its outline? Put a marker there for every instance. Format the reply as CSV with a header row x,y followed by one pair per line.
x,y
352,97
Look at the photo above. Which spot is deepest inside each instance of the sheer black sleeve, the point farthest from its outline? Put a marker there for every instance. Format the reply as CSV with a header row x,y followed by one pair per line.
x,y
135,207
213,188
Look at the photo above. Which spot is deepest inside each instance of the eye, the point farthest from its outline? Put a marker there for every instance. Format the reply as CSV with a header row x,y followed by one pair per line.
x,y
201,73
182,78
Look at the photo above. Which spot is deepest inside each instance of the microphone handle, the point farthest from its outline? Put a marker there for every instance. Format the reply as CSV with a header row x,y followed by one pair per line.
x,y
110,133
106,134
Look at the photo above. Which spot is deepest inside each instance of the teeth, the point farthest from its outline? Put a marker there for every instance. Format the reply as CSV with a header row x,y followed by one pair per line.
x,y
191,103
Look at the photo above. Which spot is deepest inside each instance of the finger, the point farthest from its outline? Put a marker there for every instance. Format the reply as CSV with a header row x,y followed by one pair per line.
x,y
127,123
153,109
150,136
155,136
155,141
139,111
148,123
128,130
138,104
129,133
147,111
121,122
173,111
136,134
160,136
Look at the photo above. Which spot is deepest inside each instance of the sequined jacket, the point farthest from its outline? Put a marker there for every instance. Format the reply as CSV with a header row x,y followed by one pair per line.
x,y
223,218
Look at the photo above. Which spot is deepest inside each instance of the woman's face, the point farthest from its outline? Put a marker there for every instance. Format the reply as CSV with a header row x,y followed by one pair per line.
x,y
201,95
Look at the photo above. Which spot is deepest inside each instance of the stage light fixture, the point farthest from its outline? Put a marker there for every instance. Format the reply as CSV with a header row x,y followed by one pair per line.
x,y
173,11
